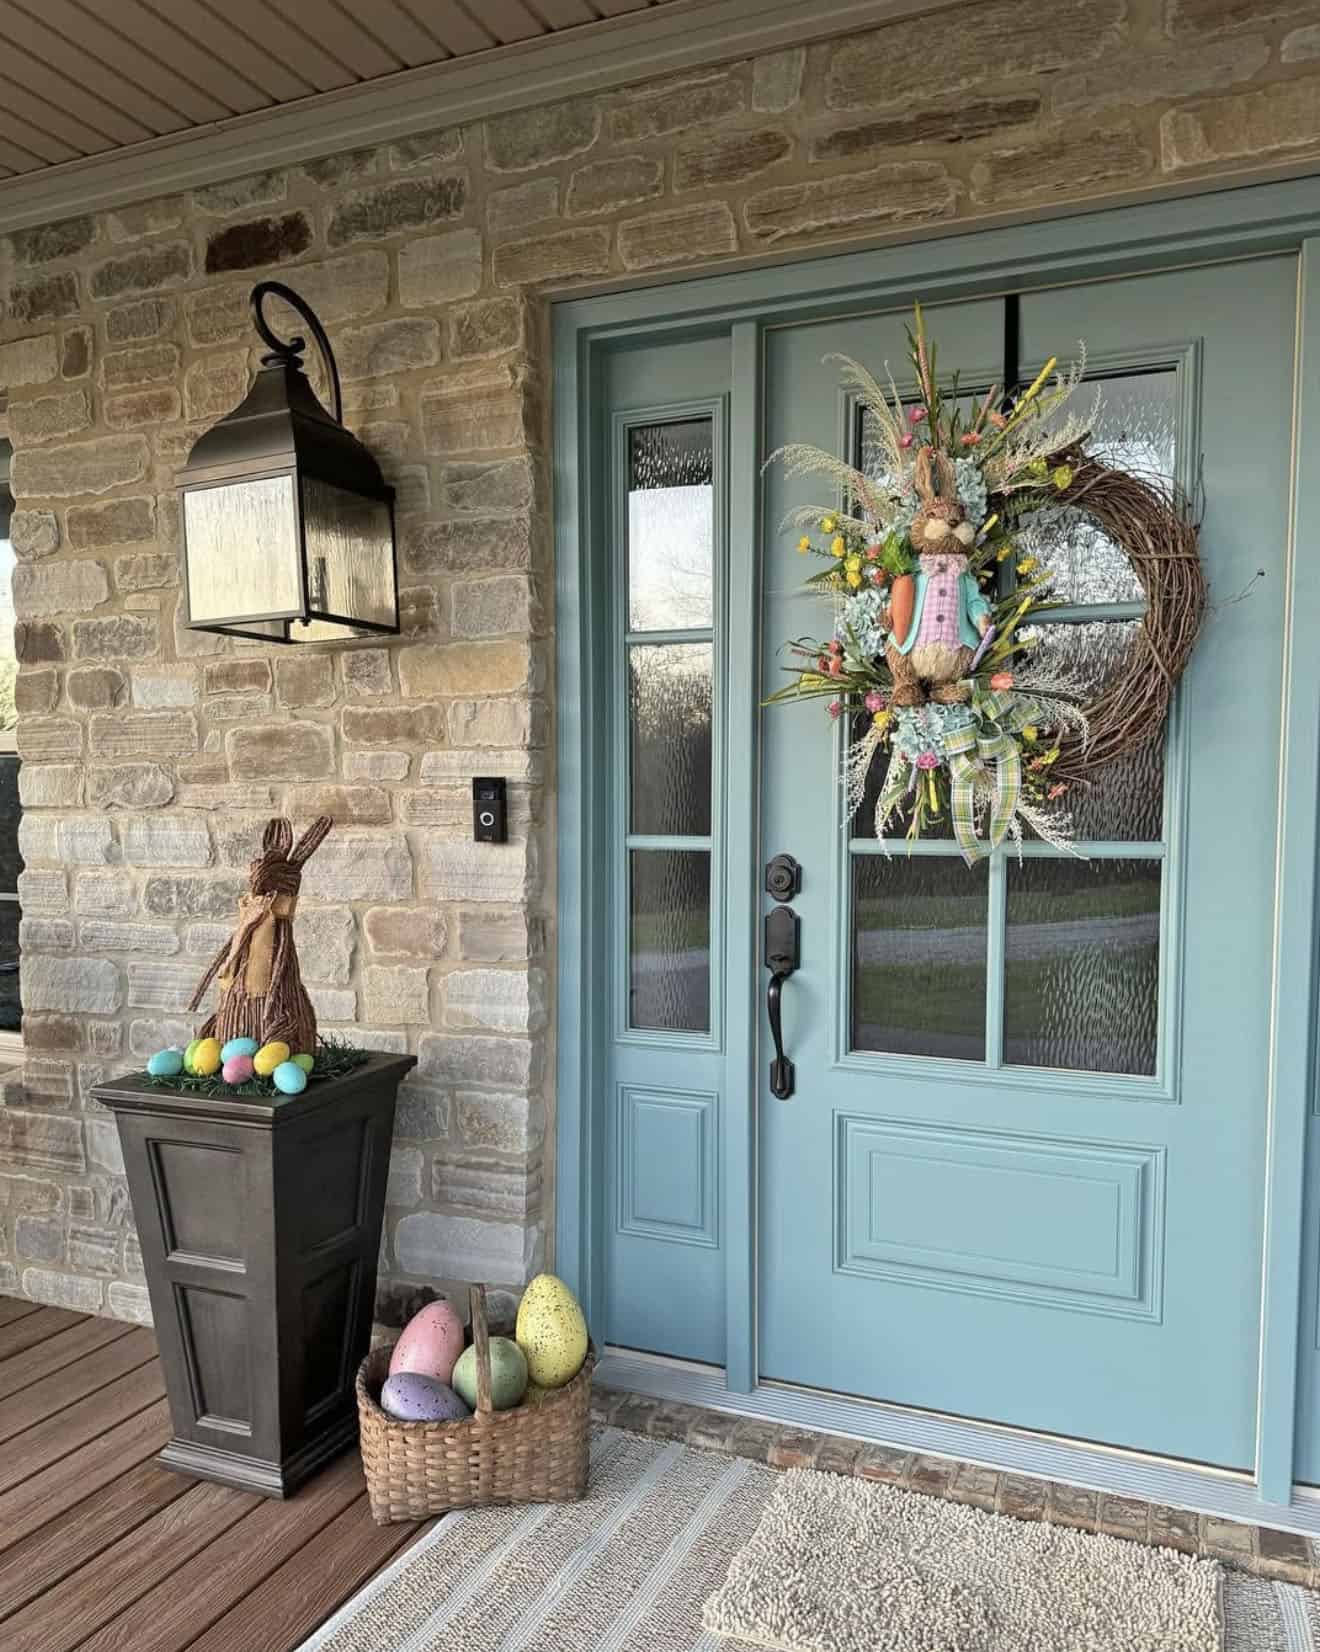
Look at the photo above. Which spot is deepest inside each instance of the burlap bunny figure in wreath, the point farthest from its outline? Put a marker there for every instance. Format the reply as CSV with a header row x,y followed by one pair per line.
x,y
261,990
933,650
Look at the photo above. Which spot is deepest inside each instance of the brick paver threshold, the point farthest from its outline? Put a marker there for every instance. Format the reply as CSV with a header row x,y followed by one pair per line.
x,y
1260,1550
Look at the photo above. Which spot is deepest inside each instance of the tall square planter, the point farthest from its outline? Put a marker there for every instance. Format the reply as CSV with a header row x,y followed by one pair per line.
x,y
259,1220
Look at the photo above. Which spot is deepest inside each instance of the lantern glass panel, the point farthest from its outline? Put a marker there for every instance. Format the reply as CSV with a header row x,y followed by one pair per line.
x,y
349,543
242,547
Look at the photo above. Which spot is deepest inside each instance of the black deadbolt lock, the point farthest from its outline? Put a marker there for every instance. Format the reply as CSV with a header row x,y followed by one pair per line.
x,y
490,811
783,878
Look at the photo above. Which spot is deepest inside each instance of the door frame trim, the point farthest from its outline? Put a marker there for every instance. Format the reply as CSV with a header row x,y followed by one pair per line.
x,y
1249,221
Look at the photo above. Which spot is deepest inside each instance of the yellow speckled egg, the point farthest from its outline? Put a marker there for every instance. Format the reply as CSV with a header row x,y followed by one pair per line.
x,y
269,1057
551,1332
205,1057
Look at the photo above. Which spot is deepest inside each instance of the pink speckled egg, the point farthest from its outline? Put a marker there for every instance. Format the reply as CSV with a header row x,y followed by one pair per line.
x,y
431,1342
237,1070
410,1398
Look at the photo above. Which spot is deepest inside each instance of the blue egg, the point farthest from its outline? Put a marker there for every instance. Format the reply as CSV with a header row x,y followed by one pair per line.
x,y
413,1398
165,1063
239,1046
290,1078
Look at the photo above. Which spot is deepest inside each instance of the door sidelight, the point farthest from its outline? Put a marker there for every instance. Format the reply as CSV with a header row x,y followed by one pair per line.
x,y
781,959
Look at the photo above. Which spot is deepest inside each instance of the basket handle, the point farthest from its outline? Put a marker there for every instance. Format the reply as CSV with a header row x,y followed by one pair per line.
x,y
481,1343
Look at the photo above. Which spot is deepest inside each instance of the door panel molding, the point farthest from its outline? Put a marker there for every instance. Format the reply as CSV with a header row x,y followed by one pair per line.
x,y
1214,227
1006,1193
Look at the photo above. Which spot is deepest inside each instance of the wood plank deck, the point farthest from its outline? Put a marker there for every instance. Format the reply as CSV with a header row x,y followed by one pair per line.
x,y
101,1550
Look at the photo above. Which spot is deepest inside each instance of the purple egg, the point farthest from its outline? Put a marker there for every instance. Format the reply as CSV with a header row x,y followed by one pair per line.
x,y
410,1398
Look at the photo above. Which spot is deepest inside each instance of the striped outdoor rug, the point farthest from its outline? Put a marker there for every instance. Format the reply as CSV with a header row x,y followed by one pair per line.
x,y
630,1568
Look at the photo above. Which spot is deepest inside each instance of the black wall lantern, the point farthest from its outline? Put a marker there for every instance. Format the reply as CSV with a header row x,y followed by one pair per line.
x,y
288,524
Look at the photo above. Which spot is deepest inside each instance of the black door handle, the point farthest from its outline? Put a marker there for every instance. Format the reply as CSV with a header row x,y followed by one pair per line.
x,y
781,959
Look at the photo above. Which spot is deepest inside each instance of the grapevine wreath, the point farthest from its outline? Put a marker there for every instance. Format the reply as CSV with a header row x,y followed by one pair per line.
x,y
936,569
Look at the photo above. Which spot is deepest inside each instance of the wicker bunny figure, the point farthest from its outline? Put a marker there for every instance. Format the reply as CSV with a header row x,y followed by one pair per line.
x,y
261,990
949,616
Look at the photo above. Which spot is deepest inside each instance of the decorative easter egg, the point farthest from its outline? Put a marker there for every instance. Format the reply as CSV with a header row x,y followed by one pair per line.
x,y
237,1070
551,1331
306,1062
188,1055
508,1375
290,1080
205,1056
269,1057
165,1063
412,1398
239,1046
431,1342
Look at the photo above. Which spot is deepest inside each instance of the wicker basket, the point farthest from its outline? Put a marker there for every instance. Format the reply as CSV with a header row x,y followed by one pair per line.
x,y
533,1454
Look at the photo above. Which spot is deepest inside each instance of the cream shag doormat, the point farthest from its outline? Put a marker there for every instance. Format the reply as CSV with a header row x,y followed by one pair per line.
x,y
837,1565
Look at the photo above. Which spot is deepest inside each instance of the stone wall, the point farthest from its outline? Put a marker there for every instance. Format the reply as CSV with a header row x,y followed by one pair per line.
x,y
152,755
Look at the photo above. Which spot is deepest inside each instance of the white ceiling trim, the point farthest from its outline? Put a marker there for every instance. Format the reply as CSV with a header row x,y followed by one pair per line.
x,y
661,40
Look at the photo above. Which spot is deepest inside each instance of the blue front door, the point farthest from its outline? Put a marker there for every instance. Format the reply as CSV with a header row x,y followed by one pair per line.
x,y
1021,1176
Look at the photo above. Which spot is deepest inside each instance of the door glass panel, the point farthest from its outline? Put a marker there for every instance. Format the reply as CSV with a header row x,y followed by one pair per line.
x,y
1124,801
1136,431
669,935
671,526
1081,966
919,956
669,692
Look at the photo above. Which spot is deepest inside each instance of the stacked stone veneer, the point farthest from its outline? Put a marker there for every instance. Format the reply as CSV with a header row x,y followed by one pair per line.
x,y
152,755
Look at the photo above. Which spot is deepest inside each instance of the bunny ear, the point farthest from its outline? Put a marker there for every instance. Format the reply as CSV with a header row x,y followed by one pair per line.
x,y
311,839
278,837
946,477
927,489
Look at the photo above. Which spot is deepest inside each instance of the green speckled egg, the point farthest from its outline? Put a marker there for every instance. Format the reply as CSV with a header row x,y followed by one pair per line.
x,y
551,1331
508,1375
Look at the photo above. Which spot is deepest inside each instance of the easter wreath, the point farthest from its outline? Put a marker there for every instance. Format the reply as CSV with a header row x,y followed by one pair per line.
x,y
934,597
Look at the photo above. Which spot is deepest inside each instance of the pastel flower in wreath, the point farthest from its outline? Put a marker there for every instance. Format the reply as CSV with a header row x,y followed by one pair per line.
x,y
836,706
878,577
1056,791
854,578
1062,477
1028,565
998,420
874,553
905,440
1002,681
874,701
823,663
1031,734
971,438
836,645
804,544
837,546
916,414
928,760
827,524
835,666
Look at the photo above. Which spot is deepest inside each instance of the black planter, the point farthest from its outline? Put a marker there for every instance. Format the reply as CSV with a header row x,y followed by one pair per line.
x,y
260,1229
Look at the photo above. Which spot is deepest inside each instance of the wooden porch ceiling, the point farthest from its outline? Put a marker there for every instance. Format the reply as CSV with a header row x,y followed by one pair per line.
x,y
84,77
107,102
101,1550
